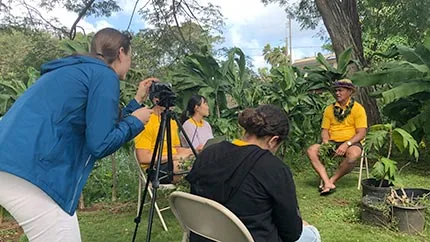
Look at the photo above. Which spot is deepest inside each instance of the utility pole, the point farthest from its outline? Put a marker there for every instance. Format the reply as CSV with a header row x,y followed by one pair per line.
x,y
286,47
288,42
291,40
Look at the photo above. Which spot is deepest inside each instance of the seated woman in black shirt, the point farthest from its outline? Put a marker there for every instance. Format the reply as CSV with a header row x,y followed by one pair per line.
x,y
250,181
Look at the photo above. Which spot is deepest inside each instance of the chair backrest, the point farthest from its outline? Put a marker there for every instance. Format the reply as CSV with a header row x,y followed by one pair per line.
x,y
208,218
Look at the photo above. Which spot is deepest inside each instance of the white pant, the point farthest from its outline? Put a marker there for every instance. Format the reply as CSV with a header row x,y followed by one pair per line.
x,y
40,217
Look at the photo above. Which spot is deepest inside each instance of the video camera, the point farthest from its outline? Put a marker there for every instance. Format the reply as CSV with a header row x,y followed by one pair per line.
x,y
164,93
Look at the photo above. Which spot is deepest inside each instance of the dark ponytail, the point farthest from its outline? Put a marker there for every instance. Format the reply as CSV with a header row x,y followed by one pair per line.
x,y
195,100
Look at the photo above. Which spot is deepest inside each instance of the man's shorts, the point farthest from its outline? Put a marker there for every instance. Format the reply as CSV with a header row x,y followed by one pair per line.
x,y
354,144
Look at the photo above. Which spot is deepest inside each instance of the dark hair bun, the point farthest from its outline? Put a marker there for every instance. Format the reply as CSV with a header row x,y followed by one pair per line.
x,y
265,120
252,120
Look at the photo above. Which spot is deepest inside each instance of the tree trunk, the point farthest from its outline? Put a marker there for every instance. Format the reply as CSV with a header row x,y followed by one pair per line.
x,y
342,23
114,178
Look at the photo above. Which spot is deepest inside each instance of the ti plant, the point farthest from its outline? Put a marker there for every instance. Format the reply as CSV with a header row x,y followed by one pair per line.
x,y
383,135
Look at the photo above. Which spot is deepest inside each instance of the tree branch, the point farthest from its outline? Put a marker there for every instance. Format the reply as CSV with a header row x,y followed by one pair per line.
x,y
72,33
177,23
61,30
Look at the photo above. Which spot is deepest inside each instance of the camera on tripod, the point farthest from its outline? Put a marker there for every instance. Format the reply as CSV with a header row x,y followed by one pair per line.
x,y
164,93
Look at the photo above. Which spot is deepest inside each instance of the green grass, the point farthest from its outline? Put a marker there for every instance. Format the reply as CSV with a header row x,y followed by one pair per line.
x,y
336,216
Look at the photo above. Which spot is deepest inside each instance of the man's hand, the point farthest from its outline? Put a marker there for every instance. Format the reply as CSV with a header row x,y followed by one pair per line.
x,y
341,150
143,89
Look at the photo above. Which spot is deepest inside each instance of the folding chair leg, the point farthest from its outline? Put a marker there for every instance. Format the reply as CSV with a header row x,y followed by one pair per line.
x,y
186,236
367,166
160,216
361,171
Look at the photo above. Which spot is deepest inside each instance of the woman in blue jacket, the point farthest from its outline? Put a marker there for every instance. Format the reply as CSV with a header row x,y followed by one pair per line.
x,y
53,134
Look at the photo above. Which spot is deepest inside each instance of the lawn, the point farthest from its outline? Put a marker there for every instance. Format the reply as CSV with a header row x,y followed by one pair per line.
x,y
336,216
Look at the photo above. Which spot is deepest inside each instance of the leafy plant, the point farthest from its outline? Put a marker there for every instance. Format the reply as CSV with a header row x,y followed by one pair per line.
x,y
12,88
405,87
327,155
380,136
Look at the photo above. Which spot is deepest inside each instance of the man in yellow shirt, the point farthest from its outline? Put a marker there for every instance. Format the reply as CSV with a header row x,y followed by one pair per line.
x,y
345,124
146,140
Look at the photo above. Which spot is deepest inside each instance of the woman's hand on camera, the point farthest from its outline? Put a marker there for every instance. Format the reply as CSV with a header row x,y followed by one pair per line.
x,y
143,114
143,89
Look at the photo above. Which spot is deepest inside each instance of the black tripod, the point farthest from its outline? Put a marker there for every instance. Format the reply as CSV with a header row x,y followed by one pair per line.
x,y
154,172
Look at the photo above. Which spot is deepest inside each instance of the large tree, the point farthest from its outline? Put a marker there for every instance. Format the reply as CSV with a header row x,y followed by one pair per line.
x,y
341,20
365,25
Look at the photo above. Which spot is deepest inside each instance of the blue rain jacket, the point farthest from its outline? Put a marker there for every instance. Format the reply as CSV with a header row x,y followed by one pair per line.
x,y
62,124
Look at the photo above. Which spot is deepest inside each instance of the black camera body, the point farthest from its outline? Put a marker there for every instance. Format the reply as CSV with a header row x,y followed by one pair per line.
x,y
163,92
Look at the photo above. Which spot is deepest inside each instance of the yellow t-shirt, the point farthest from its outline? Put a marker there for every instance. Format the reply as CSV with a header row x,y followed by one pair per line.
x,y
148,137
345,130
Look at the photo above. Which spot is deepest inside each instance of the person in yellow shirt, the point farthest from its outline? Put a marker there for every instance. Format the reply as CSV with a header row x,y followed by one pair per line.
x,y
146,140
344,123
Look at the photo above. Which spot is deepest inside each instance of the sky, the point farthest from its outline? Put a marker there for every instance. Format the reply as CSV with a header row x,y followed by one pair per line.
x,y
250,25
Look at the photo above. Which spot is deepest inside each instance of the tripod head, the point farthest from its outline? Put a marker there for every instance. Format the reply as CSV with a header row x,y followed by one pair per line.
x,y
164,93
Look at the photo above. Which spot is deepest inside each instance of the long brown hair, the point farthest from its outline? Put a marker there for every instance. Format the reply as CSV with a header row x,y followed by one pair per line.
x,y
107,42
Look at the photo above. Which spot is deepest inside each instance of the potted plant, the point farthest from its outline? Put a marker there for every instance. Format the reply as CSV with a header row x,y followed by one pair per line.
x,y
408,209
379,138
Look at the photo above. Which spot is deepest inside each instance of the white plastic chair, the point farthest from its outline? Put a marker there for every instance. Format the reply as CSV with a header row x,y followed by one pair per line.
x,y
142,182
363,164
207,218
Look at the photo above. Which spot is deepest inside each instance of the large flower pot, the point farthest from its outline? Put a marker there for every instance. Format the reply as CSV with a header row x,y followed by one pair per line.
x,y
375,211
370,187
409,220
414,192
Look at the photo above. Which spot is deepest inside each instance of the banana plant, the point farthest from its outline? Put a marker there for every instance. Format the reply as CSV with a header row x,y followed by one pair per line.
x,y
405,87
202,73
13,88
324,75
79,45
288,88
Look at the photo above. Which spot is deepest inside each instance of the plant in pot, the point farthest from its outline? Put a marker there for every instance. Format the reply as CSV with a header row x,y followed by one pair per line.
x,y
408,209
381,138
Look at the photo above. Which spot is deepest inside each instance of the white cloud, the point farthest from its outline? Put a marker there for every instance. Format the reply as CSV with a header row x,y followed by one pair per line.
x,y
259,61
65,17
249,25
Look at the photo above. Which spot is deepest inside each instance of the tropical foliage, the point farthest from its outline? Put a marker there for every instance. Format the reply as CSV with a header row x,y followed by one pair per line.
x,y
12,88
325,75
405,87
384,136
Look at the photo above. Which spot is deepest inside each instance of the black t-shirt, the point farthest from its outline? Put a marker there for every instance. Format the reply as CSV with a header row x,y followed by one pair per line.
x,y
252,183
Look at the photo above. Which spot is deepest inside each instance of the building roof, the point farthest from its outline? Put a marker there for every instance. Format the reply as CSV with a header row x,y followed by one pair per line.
x,y
311,61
